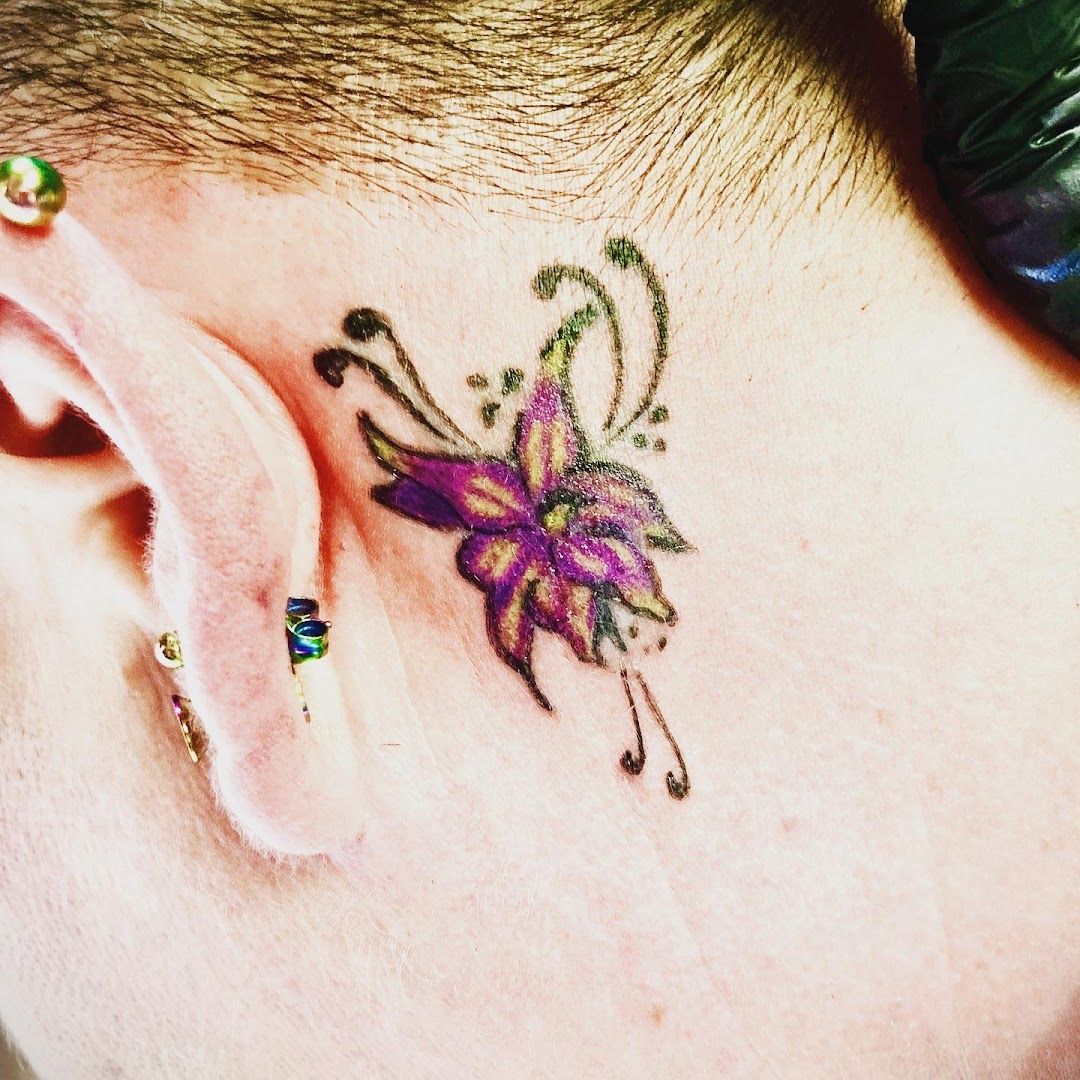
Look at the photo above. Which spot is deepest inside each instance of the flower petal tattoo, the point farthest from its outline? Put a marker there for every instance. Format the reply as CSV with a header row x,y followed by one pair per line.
x,y
557,535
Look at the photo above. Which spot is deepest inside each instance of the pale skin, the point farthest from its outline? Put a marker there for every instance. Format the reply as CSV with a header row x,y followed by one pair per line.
x,y
873,677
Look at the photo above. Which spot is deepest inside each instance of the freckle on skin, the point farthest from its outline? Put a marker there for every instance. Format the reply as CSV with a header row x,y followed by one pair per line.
x,y
790,822
804,545
656,1014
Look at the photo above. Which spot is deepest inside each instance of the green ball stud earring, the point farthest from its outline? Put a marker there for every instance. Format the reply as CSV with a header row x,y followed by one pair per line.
x,y
32,192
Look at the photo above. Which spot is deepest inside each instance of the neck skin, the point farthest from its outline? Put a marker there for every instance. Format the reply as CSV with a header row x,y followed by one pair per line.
x,y
871,676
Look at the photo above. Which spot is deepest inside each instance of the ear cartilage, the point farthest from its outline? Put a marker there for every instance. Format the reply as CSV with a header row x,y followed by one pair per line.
x,y
32,192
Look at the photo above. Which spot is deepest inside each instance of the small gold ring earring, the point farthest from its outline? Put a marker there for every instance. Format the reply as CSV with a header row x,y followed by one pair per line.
x,y
167,650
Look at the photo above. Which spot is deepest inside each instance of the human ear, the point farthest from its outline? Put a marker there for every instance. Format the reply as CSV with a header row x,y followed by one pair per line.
x,y
235,522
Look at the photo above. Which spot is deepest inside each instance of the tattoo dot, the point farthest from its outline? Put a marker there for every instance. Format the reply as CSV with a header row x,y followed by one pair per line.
x,y
331,364
512,380
659,414
476,381
640,441
489,411
660,445
363,324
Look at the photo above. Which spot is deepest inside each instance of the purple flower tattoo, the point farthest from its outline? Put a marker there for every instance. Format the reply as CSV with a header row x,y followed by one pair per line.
x,y
557,536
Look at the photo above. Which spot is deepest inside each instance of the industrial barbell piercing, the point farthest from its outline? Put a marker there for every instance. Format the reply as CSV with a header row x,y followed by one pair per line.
x,y
32,192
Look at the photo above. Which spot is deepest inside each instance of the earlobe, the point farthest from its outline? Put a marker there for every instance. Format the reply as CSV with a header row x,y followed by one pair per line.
x,y
236,520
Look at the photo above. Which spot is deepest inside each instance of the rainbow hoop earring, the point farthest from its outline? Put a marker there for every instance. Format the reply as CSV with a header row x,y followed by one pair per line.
x,y
307,634
308,637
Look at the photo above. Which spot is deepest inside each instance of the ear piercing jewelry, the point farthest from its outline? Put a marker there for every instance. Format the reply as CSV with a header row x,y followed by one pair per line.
x,y
308,635
167,650
168,654
186,718
32,192
308,639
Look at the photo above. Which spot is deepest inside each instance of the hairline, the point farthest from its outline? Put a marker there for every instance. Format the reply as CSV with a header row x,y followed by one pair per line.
x,y
710,104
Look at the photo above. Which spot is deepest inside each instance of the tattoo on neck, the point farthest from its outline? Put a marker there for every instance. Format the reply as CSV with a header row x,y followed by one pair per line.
x,y
558,533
